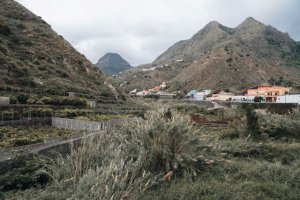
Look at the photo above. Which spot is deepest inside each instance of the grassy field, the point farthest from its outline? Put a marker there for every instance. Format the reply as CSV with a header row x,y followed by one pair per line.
x,y
171,155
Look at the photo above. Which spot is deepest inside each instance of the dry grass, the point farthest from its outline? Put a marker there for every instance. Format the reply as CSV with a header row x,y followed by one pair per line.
x,y
129,159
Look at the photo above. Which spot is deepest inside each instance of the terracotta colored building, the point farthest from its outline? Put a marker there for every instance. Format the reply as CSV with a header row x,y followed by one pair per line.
x,y
270,93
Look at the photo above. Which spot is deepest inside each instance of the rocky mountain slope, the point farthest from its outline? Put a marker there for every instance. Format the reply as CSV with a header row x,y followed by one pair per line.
x,y
32,55
112,63
219,57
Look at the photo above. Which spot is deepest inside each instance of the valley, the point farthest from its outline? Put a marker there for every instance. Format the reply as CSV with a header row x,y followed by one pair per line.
x,y
216,116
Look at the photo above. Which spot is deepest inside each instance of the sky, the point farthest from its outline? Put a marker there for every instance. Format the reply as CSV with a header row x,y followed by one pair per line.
x,y
140,30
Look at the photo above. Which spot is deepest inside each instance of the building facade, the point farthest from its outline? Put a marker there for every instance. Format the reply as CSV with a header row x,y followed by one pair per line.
x,y
269,93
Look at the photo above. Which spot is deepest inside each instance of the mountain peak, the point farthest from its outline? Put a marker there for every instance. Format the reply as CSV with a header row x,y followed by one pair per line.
x,y
112,54
112,63
250,19
250,27
213,24
250,22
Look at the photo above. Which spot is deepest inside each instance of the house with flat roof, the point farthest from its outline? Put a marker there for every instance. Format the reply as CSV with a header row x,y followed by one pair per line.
x,y
268,92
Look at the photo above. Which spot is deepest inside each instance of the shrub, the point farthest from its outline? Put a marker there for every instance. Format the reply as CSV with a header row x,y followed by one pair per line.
x,y
4,30
65,101
13,100
129,159
23,173
22,98
170,142
282,126
47,100
252,126
189,108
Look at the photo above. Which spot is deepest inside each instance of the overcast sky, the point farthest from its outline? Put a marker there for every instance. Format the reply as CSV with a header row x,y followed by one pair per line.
x,y
140,30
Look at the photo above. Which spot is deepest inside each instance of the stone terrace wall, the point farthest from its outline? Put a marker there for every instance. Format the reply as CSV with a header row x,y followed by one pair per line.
x,y
73,124
28,121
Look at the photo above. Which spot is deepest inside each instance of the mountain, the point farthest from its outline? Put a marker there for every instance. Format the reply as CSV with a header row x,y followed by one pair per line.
x,y
219,57
32,55
112,63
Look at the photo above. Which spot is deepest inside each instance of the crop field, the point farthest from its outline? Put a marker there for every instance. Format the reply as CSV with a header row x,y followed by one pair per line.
x,y
20,136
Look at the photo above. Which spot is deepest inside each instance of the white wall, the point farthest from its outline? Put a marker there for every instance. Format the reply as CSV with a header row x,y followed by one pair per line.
x,y
289,99
4,101
243,98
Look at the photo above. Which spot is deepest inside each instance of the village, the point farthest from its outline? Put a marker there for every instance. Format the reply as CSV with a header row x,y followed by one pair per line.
x,y
263,93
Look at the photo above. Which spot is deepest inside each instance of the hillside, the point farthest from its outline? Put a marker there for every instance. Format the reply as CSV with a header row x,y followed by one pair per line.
x,y
32,55
219,57
112,63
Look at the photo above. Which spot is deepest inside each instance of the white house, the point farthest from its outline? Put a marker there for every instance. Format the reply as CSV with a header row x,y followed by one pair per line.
x,y
4,101
198,96
142,93
163,85
91,104
133,91
289,99
207,92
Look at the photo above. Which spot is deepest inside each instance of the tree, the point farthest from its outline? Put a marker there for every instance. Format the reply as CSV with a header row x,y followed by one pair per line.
x,y
258,99
252,126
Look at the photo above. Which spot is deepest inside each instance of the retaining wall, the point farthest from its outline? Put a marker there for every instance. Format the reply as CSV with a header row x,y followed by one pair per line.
x,y
28,121
280,108
73,124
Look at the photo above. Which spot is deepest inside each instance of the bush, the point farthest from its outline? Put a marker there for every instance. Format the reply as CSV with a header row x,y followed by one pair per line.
x,y
282,126
252,126
13,100
189,108
24,173
22,98
171,143
4,30
63,101
130,159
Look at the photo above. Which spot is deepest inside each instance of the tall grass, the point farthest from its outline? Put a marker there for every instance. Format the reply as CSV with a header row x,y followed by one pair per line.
x,y
129,159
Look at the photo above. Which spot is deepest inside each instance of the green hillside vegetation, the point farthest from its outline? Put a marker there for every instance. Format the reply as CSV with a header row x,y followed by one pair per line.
x,y
32,55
